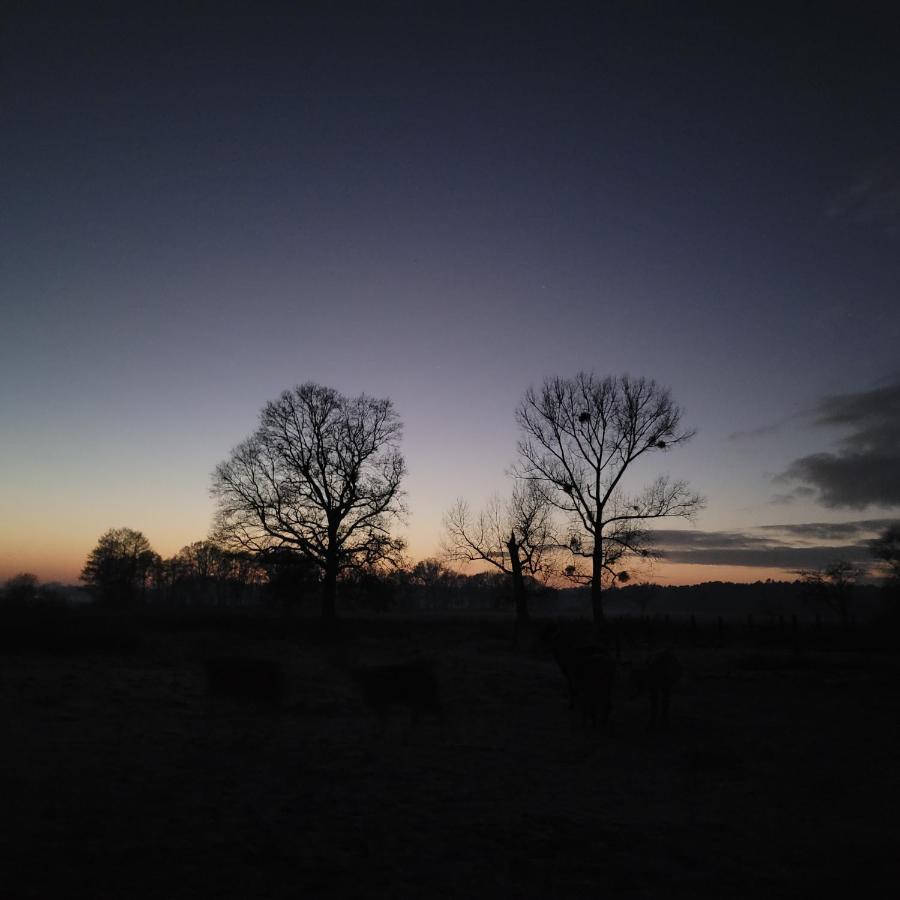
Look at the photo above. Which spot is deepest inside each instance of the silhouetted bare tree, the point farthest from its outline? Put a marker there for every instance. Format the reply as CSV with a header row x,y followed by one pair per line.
x,y
515,537
886,549
579,437
321,474
833,586
120,567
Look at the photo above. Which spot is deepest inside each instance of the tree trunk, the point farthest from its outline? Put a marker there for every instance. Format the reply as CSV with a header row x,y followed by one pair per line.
x,y
597,585
518,581
329,587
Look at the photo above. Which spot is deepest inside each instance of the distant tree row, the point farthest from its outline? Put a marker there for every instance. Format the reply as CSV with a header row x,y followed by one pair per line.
x,y
124,571
834,586
26,591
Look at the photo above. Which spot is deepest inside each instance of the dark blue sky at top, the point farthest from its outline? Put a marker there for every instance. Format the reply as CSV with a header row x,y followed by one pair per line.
x,y
203,204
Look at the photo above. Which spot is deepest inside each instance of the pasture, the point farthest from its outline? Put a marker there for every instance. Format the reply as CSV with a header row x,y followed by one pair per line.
x,y
124,772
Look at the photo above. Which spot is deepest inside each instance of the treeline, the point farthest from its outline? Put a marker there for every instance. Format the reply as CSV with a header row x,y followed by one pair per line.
x,y
124,573
128,575
25,591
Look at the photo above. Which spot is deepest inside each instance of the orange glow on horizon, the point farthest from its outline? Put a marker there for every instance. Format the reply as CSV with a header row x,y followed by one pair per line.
x,y
58,552
63,561
682,573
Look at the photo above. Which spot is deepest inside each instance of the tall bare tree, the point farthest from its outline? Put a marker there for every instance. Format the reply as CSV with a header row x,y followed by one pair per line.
x,y
515,537
579,438
321,475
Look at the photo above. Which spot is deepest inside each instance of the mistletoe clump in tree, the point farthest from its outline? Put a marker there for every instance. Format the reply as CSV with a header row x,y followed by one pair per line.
x,y
579,438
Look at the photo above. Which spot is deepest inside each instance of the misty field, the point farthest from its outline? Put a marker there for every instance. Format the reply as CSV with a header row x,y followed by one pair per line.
x,y
121,776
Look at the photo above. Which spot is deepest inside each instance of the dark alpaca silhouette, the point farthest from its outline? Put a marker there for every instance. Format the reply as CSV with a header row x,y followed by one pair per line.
x,y
589,673
568,657
411,684
656,677
598,675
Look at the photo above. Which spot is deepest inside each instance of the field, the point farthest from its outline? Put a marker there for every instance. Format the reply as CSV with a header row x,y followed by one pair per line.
x,y
122,778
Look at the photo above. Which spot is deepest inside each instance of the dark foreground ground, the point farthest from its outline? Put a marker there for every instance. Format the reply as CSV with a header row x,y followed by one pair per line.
x,y
120,778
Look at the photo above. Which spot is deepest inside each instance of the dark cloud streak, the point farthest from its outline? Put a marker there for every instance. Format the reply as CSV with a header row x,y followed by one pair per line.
x,y
727,548
864,470
833,531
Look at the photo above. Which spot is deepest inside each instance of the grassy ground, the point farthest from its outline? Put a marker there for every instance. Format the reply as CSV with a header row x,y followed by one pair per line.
x,y
120,777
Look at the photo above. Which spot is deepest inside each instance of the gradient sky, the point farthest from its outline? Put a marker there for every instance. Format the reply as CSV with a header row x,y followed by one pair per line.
x,y
444,204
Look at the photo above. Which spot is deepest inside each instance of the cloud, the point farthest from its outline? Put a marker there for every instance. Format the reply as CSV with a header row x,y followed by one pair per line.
x,y
864,469
761,431
872,199
831,531
798,493
731,548
766,429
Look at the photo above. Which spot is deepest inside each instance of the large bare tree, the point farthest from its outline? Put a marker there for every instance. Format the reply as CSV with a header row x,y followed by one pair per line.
x,y
579,437
321,475
515,537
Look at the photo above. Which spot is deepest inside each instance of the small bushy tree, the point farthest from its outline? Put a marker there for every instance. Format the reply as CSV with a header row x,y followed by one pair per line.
x,y
833,587
886,550
119,569
21,589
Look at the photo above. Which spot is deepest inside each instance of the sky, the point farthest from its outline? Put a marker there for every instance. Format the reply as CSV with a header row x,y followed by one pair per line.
x,y
204,204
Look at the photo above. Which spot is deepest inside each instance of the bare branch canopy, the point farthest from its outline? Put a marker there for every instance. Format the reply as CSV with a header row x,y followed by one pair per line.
x,y
579,437
320,475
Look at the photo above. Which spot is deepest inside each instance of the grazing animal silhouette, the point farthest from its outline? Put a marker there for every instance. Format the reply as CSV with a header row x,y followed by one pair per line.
x,y
589,674
412,685
598,675
656,677
567,657
246,680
